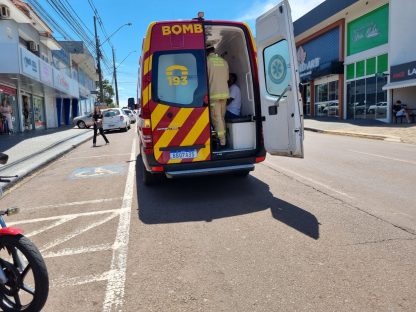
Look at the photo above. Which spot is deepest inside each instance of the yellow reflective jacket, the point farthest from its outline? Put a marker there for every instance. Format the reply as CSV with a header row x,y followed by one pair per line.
x,y
217,77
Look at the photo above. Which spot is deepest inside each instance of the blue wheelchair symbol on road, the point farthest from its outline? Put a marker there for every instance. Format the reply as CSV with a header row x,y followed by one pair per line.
x,y
95,172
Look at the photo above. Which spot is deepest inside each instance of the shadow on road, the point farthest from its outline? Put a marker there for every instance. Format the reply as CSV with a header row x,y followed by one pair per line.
x,y
215,197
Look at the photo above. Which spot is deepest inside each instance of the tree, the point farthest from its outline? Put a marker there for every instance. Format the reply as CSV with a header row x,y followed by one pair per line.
x,y
108,93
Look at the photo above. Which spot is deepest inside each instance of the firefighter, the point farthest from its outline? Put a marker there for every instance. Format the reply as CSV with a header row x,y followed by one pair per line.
x,y
218,91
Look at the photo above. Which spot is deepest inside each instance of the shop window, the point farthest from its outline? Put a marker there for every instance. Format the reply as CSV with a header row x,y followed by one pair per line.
x,y
382,63
9,121
366,98
360,69
333,90
350,71
326,99
371,66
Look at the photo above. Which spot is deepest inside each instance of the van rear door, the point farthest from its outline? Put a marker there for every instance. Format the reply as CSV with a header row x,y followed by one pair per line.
x,y
179,114
281,104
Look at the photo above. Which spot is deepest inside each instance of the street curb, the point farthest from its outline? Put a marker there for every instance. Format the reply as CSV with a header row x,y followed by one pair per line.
x,y
357,134
46,162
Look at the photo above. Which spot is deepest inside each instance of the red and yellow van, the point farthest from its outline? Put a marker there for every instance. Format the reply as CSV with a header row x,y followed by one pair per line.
x,y
174,127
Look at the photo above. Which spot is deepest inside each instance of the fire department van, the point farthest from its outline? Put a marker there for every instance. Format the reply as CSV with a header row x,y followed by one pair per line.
x,y
175,133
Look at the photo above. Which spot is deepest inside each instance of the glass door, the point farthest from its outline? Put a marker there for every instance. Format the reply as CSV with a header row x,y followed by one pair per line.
x,y
39,112
381,97
27,113
370,98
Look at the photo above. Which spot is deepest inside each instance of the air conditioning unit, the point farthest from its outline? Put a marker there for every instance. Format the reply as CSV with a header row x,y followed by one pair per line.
x,y
4,12
33,46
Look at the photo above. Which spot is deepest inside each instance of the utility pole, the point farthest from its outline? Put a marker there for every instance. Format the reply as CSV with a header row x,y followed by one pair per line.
x,y
115,76
97,47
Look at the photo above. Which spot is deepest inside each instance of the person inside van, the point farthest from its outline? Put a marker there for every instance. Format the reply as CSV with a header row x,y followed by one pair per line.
x,y
218,91
234,101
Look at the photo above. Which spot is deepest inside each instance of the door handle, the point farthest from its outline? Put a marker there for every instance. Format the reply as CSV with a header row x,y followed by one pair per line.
x,y
273,109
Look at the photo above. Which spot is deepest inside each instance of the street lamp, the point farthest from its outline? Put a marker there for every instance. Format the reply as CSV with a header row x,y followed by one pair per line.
x,y
97,46
115,72
108,38
125,58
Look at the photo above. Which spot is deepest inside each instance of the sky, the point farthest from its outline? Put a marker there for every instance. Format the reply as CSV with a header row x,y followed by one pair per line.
x,y
115,13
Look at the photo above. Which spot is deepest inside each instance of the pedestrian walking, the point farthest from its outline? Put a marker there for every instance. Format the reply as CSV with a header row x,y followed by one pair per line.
x,y
218,73
98,126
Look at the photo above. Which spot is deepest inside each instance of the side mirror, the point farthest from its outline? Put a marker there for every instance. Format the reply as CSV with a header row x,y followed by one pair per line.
x,y
3,158
301,87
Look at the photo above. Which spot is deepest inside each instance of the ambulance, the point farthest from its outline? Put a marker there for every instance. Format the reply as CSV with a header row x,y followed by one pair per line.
x,y
176,135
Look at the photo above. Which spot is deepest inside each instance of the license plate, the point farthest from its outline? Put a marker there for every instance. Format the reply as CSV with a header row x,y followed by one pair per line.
x,y
183,154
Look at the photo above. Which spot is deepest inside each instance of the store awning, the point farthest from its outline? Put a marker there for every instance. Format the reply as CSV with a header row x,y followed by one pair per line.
x,y
400,84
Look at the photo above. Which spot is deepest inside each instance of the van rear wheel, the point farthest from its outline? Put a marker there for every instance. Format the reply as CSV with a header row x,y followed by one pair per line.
x,y
149,178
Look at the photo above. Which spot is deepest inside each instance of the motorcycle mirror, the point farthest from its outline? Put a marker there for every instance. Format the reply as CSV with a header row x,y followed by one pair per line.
x,y
3,158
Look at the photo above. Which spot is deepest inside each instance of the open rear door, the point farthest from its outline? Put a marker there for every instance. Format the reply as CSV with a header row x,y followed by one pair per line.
x,y
281,103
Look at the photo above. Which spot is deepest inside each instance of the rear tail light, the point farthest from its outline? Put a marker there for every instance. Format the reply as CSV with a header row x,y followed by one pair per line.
x,y
260,159
147,134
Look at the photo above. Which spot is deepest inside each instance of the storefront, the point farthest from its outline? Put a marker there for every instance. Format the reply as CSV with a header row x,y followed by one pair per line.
x,y
367,65
403,86
321,71
8,100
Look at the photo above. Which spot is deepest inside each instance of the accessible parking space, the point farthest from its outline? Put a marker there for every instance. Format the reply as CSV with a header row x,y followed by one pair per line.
x,y
76,211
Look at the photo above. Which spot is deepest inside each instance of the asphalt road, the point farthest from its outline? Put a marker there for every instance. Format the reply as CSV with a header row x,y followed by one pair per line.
x,y
332,232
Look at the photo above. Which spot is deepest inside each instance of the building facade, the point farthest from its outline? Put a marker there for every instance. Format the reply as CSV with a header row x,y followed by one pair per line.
x,y
352,59
35,72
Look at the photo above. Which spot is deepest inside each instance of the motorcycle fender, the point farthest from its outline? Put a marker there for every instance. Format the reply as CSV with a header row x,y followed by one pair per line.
x,y
10,231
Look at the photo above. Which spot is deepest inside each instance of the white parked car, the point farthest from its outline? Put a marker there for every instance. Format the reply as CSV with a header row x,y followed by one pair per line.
x,y
115,119
131,114
380,107
84,121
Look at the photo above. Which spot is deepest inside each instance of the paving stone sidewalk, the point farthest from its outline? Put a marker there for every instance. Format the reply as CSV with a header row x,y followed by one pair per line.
x,y
372,129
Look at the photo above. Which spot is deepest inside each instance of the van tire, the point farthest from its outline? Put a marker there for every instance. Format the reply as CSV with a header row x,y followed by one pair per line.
x,y
149,179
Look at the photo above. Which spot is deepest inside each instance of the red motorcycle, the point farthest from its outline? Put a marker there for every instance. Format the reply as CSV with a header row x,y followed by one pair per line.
x,y
24,282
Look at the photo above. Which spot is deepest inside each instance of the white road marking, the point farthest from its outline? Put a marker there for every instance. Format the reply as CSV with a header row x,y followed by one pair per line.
x,y
386,157
114,294
77,251
51,226
77,203
77,232
82,214
272,165
76,281
98,156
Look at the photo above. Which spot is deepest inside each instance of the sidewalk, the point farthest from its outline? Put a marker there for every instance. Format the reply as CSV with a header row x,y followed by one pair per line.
x,y
30,151
371,129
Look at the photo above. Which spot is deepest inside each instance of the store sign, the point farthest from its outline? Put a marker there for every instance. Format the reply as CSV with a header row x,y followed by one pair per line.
x,y
30,64
46,73
7,90
61,81
403,72
368,31
313,60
